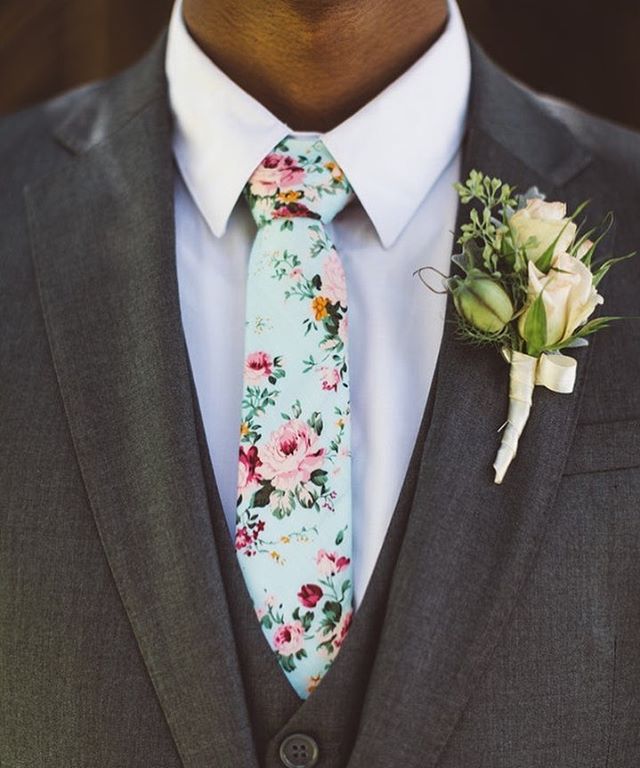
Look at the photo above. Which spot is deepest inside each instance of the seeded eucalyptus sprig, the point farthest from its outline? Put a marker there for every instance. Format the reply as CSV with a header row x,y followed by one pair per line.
x,y
487,241
491,193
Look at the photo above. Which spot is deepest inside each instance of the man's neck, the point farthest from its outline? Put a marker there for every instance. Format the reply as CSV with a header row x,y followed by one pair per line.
x,y
313,63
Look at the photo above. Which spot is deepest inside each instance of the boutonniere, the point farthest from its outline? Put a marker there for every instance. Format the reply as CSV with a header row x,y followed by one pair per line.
x,y
529,286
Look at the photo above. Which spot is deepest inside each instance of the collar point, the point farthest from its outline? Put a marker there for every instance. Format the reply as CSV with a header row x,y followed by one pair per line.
x,y
388,233
218,230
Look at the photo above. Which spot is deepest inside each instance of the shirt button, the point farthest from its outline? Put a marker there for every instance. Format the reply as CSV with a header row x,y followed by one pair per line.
x,y
299,751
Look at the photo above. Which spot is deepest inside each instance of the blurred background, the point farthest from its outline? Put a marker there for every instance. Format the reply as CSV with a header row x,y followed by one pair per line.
x,y
582,50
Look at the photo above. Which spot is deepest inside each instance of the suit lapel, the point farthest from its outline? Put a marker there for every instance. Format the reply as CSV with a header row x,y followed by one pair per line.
x,y
103,244
470,544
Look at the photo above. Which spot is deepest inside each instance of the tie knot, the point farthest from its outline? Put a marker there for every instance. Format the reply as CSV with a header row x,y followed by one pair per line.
x,y
299,178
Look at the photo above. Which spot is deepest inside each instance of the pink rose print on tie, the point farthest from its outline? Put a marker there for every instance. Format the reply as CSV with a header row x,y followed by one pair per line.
x,y
289,638
309,595
249,462
293,523
291,455
342,628
264,181
291,174
247,537
257,366
243,538
343,329
331,563
330,378
293,210
334,284
276,172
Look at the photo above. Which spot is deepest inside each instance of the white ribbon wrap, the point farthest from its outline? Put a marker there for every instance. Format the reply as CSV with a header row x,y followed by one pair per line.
x,y
555,372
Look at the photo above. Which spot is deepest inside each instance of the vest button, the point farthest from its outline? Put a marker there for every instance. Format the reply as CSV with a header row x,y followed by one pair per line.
x,y
299,751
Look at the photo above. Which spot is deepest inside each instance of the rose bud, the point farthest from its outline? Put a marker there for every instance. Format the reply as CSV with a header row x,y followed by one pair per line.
x,y
481,301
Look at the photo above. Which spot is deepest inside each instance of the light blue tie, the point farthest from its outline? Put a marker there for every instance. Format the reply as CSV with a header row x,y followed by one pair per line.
x,y
293,530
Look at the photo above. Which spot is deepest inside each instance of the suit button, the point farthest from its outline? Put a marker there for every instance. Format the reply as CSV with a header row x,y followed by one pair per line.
x,y
299,751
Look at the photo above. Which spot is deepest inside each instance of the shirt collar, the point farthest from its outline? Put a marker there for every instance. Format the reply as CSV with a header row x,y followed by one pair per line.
x,y
393,150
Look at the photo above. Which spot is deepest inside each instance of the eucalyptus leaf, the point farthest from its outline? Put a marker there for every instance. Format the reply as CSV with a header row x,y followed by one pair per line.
x,y
463,261
578,342
533,193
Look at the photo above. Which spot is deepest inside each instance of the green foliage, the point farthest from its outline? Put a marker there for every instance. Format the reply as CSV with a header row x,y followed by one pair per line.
x,y
315,422
493,260
544,262
491,192
602,270
589,328
332,610
256,400
605,227
287,663
319,477
262,496
535,327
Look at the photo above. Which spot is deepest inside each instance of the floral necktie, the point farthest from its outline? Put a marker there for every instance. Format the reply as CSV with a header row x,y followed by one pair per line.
x,y
293,522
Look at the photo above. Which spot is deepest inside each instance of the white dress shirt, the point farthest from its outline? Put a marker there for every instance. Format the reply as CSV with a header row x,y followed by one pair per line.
x,y
401,153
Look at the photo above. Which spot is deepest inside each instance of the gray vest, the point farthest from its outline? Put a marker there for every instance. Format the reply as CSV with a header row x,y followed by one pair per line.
x,y
332,713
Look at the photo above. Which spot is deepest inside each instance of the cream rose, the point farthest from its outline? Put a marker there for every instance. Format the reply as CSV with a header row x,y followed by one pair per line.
x,y
545,222
569,297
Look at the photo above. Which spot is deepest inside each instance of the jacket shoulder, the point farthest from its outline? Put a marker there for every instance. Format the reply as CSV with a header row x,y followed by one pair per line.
x,y
33,142
614,145
28,144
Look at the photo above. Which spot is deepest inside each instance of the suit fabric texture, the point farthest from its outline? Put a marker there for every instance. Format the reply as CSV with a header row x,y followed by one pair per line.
x,y
508,635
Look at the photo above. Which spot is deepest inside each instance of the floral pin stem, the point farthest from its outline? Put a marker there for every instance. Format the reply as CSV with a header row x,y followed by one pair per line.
x,y
556,372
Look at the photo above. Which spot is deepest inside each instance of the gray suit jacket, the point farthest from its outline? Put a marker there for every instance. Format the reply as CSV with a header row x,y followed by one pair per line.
x,y
512,636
